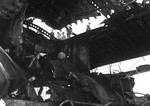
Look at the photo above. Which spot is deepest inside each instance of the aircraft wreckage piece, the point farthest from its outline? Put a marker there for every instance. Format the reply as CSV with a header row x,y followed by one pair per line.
x,y
71,78
139,69
11,74
9,8
78,88
102,88
11,15
11,18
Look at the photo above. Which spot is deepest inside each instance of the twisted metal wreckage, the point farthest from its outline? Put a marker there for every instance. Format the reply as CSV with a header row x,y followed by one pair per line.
x,y
23,67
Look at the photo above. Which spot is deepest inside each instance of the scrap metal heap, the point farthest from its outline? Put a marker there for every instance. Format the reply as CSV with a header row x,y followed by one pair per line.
x,y
64,65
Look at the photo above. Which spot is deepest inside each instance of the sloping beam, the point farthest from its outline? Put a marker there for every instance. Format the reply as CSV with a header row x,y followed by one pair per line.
x,y
139,69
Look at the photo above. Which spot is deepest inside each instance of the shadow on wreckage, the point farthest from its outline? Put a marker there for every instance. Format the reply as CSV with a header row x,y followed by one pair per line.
x,y
69,79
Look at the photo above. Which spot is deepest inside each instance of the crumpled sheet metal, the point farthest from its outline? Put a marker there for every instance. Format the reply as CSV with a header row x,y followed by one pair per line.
x,y
8,8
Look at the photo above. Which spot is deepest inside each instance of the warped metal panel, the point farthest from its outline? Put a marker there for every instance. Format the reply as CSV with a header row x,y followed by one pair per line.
x,y
118,42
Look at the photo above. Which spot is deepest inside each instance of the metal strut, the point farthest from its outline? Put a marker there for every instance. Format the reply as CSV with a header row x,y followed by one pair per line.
x,y
38,28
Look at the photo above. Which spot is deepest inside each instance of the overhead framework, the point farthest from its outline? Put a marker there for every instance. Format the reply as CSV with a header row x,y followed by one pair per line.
x,y
39,29
59,13
123,36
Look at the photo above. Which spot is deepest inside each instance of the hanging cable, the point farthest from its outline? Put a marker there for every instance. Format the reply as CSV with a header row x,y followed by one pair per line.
x,y
135,64
119,68
110,68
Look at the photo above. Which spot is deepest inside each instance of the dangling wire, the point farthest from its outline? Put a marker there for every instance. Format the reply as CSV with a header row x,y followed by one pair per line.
x,y
121,85
119,68
135,64
143,58
110,68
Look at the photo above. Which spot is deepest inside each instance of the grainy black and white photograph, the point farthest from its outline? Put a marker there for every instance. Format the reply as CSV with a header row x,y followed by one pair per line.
x,y
74,52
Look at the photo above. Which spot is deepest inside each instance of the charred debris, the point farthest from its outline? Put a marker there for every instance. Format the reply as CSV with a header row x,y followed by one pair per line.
x,y
64,65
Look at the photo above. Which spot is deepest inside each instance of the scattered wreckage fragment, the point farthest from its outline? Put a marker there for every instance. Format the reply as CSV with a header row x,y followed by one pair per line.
x,y
11,17
89,84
